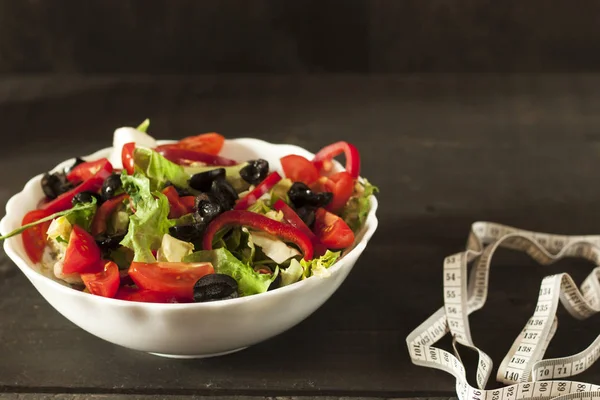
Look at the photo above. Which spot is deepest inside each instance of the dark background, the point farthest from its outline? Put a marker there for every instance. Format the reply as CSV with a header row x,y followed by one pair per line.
x,y
298,36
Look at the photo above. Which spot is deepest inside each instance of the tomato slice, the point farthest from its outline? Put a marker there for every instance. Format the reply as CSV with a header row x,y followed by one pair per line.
x,y
146,296
299,169
340,184
34,238
105,282
83,254
210,143
177,208
86,170
104,212
182,156
127,157
173,278
332,231
262,188
323,159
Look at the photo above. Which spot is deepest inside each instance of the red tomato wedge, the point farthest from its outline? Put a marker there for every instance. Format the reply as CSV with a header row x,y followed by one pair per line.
x,y
210,143
299,169
146,296
332,231
127,157
86,170
104,212
181,156
262,188
172,278
340,184
189,202
105,282
83,254
323,159
34,238
293,219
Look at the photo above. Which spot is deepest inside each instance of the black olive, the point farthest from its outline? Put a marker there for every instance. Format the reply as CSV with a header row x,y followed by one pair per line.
x,y
202,181
86,197
276,283
224,193
188,233
111,186
75,163
207,208
215,287
55,184
306,214
111,242
255,171
301,195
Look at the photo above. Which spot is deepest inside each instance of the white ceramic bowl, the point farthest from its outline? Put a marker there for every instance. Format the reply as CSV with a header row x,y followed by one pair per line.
x,y
186,330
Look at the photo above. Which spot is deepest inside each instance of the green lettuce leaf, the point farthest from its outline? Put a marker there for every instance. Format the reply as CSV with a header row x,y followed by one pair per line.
x,y
292,273
280,191
151,219
160,170
318,266
249,281
78,208
356,210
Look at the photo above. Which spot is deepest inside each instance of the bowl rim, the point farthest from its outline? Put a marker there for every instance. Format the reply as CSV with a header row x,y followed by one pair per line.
x,y
365,234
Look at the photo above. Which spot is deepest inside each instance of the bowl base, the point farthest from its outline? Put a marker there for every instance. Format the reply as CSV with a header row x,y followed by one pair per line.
x,y
185,357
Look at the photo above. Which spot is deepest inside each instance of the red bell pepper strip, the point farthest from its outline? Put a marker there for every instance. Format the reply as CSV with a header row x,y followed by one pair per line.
x,y
183,156
262,188
323,159
93,184
34,238
86,170
293,219
178,206
104,212
257,221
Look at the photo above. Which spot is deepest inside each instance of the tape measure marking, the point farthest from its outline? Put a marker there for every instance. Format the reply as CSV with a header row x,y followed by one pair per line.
x,y
523,369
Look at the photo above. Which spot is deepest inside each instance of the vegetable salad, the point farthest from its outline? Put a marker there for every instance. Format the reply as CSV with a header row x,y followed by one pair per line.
x,y
181,223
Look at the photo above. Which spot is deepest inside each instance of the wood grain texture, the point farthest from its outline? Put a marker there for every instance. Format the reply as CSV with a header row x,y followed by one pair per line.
x,y
445,151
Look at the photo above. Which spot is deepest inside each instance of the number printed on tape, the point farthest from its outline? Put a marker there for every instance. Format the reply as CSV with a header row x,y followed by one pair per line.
x,y
523,370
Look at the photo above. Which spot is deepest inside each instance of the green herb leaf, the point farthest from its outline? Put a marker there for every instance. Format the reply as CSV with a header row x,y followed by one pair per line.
x,y
76,208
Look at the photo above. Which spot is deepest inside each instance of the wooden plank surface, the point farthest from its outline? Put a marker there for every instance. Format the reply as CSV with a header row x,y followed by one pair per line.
x,y
445,151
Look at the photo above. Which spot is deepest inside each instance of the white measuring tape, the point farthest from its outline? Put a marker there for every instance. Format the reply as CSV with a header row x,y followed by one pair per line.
x,y
524,370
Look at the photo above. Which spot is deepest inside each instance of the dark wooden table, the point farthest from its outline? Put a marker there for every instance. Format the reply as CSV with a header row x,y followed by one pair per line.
x,y
445,151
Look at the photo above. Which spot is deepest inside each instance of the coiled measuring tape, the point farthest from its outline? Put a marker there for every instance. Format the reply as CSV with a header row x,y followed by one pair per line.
x,y
523,369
